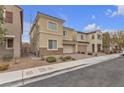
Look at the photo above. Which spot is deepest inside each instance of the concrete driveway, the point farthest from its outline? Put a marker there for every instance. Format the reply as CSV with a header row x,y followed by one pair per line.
x,y
107,74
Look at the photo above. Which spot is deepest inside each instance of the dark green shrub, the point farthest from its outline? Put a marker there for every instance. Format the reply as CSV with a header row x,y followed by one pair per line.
x,y
63,59
82,52
51,59
7,57
68,57
90,54
73,59
4,67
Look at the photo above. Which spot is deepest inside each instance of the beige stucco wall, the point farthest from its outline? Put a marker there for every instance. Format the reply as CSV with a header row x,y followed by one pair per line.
x,y
14,29
84,37
46,34
43,42
71,34
34,39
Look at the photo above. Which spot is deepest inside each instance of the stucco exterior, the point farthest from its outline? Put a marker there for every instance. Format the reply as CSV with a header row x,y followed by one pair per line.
x,y
68,39
14,30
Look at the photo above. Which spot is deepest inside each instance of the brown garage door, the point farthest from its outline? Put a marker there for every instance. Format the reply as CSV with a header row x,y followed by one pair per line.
x,y
82,48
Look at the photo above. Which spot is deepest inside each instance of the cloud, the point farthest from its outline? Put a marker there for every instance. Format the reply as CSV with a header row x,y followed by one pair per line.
x,y
118,12
108,12
93,17
91,27
25,37
109,30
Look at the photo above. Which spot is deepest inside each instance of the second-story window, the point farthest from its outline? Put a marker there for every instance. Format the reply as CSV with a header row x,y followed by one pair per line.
x,y
93,37
64,33
52,26
99,37
8,17
82,37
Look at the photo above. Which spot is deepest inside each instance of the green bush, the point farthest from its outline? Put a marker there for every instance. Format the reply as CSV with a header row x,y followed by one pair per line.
x,y
7,57
68,57
4,67
73,59
64,59
51,59
90,54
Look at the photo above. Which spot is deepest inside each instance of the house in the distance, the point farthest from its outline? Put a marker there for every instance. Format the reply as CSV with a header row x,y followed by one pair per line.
x,y
48,36
13,16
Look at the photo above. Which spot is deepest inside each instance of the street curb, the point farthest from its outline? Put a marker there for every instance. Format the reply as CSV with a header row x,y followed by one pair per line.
x,y
33,78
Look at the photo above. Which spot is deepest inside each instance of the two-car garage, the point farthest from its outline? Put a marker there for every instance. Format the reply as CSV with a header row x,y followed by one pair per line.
x,y
73,47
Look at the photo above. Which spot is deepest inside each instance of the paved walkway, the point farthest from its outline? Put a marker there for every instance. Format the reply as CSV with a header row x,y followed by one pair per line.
x,y
107,74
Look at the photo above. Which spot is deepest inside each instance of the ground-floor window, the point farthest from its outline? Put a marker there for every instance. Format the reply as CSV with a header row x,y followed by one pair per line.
x,y
9,43
52,44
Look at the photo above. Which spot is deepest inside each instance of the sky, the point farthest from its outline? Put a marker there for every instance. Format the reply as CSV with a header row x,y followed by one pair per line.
x,y
82,18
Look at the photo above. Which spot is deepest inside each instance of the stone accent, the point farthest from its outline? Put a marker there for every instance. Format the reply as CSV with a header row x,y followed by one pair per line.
x,y
44,51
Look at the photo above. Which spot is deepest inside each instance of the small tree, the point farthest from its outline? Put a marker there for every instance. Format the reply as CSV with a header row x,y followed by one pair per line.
x,y
2,30
106,40
118,38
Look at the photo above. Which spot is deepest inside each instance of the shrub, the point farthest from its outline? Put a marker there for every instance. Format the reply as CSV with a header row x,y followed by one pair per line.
x,y
68,57
61,57
64,59
82,52
73,59
89,53
7,57
4,67
51,59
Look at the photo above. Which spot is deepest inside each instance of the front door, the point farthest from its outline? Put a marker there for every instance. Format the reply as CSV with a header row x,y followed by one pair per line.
x,y
93,48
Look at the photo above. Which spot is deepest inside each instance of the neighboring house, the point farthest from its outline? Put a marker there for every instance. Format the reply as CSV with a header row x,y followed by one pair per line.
x,y
14,24
48,36
25,48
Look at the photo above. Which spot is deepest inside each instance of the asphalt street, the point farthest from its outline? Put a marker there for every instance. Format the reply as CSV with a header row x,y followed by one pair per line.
x,y
106,74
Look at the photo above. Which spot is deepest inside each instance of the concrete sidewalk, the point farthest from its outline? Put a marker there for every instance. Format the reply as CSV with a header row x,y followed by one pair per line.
x,y
22,77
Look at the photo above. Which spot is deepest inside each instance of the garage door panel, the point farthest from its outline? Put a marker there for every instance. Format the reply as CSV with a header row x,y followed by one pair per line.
x,y
68,49
82,48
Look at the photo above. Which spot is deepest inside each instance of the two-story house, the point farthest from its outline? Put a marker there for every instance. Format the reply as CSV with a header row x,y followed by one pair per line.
x,y
48,36
93,39
13,16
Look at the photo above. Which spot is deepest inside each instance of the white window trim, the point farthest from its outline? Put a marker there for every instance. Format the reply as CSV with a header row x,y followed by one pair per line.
x,y
10,36
4,15
48,44
7,44
50,29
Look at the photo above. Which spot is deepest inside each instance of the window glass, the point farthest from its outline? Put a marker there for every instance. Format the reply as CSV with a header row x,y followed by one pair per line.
x,y
52,44
99,36
82,37
93,37
52,26
8,17
10,43
64,33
